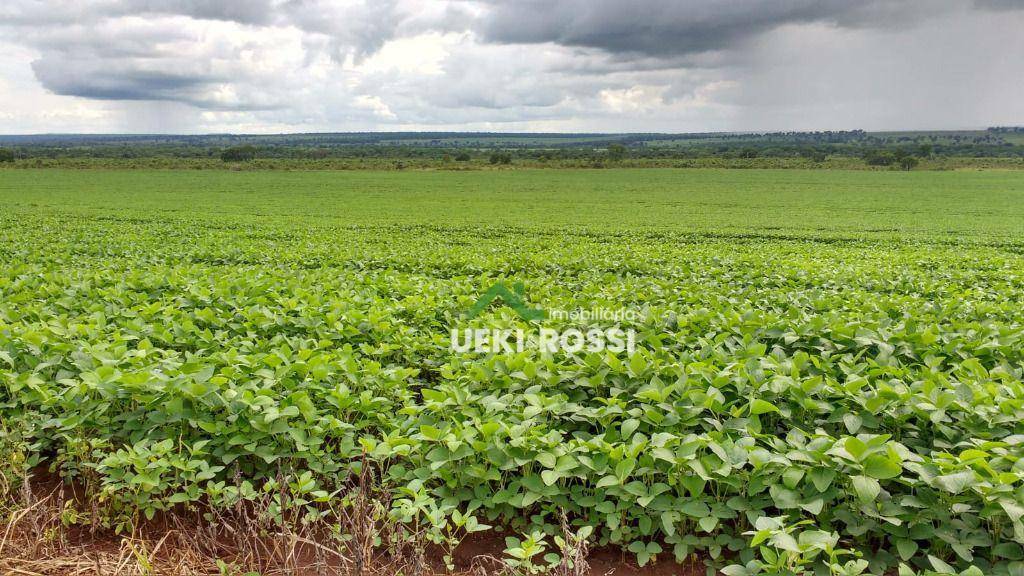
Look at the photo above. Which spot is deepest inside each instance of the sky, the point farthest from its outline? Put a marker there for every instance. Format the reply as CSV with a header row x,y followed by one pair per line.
x,y
273,66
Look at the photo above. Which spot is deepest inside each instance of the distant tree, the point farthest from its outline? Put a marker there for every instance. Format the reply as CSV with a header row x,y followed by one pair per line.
x,y
616,152
501,158
908,162
748,153
6,155
462,157
904,159
878,158
238,153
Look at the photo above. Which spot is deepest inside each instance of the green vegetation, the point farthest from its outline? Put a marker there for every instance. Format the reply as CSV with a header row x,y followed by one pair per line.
x,y
996,147
242,153
828,376
498,157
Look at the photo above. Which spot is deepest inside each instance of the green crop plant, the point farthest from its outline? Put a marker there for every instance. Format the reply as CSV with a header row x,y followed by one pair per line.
x,y
828,374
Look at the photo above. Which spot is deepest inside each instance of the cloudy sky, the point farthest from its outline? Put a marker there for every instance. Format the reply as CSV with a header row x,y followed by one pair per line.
x,y
257,66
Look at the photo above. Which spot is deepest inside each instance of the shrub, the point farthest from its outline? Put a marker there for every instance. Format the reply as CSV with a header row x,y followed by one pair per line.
x,y
908,162
238,153
878,158
501,158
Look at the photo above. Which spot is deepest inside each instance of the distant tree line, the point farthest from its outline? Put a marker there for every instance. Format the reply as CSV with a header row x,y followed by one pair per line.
x,y
903,150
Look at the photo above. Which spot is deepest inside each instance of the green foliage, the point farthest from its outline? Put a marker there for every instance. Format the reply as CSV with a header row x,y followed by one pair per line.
x,y
242,153
879,158
499,157
616,152
908,162
6,155
828,377
14,464
1005,143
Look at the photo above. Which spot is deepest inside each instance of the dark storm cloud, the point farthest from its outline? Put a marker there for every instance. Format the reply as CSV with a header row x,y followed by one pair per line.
x,y
667,27
71,78
143,59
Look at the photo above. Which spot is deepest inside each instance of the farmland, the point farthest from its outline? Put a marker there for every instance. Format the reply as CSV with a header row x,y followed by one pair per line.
x,y
828,376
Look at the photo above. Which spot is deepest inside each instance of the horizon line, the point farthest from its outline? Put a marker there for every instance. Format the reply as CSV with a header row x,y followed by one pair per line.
x,y
500,133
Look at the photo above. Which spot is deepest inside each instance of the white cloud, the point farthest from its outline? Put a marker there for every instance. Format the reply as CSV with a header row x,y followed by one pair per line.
x,y
422,54
374,104
636,99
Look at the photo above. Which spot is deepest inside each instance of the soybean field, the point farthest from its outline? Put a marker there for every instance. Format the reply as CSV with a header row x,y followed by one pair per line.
x,y
827,377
